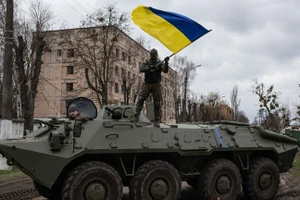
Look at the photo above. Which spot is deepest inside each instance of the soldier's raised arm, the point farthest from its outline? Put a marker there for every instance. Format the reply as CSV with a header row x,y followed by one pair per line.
x,y
165,66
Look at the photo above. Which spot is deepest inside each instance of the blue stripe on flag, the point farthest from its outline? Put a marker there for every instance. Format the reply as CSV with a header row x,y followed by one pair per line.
x,y
191,29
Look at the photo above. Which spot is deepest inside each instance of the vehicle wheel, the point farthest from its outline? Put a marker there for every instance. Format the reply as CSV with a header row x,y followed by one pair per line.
x,y
261,181
220,178
155,180
193,182
93,180
45,192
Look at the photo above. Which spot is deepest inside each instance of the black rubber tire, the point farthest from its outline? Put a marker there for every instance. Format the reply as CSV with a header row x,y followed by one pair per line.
x,y
210,175
251,186
45,192
193,182
151,171
78,180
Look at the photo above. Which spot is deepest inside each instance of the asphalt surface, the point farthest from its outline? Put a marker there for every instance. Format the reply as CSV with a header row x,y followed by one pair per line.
x,y
21,188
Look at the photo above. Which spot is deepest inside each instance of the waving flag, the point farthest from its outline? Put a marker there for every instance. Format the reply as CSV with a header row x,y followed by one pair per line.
x,y
173,30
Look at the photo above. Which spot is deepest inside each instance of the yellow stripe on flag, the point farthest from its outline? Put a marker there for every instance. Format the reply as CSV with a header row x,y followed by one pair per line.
x,y
160,29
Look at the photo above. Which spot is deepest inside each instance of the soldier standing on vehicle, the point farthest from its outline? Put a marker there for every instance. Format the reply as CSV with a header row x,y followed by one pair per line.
x,y
76,115
152,70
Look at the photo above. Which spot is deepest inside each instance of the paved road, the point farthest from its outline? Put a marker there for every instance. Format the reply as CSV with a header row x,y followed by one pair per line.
x,y
187,193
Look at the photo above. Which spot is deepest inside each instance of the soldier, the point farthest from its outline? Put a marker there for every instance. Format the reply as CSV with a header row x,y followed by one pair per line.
x,y
152,70
76,115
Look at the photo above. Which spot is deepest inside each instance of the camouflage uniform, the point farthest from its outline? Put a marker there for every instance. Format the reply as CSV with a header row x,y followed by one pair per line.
x,y
152,70
81,117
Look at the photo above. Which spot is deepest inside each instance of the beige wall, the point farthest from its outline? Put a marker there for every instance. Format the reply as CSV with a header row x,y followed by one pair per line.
x,y
52,90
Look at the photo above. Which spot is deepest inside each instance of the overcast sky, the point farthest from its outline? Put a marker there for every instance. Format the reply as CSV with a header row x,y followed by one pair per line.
x,y
250,39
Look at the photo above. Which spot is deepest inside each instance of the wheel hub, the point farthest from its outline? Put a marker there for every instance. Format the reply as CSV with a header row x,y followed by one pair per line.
x,y
159,189
95,191
265,181
223,184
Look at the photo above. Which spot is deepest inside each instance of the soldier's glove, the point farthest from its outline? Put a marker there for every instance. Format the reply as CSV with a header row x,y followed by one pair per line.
x,y
167,60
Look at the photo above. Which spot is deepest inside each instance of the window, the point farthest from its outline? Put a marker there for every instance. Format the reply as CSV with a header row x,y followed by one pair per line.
x,y
69,87
70,53
117,53
123,88
128,75
123,72
123,56
116,70
70,70
116,88
59,52
129,60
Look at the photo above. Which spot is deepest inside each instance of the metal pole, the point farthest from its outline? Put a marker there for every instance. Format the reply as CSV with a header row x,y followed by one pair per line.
x,y
8,63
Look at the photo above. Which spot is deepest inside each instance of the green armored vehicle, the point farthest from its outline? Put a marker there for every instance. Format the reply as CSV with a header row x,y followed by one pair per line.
x,y
93,160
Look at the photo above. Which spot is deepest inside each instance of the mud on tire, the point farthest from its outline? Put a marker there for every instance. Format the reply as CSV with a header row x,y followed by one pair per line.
x,y
93,178
261,181
220,178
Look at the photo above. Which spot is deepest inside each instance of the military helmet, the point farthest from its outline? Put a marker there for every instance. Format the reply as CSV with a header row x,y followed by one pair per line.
x,y
153,51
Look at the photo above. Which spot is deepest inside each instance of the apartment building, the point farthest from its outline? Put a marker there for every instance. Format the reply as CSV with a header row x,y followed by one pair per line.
x,y
63,74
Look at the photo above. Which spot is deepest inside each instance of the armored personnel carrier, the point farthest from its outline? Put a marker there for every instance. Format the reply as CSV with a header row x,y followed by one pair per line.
x,y
92,160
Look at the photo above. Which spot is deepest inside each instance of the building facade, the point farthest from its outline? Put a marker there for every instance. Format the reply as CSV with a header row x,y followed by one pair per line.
x,y
63,73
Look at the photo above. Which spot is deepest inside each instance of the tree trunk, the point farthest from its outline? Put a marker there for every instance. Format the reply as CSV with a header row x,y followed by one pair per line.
x,y
8,63
28,86
184,101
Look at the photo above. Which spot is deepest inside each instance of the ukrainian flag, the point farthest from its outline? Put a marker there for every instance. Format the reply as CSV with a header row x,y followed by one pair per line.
x,y
173,30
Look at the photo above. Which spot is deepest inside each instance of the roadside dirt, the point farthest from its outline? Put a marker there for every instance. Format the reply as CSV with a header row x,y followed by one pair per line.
x,y
21,188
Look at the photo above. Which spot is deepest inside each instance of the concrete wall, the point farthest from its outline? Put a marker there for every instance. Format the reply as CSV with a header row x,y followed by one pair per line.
x,y
11,129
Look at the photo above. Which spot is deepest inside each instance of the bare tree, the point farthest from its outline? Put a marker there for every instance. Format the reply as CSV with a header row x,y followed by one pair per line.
x,y
143,42
29,49
185,70
235,102
97,47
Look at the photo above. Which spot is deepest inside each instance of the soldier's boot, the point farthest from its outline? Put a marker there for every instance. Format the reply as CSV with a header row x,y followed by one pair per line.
x,y
156,113
136,116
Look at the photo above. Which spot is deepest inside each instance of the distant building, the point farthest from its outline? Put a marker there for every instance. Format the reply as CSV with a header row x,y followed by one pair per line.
x,y
225,112
62,79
